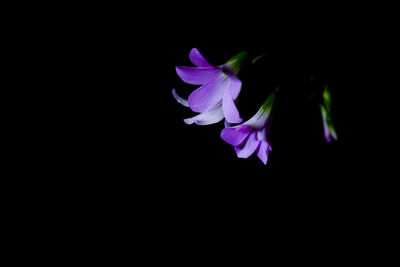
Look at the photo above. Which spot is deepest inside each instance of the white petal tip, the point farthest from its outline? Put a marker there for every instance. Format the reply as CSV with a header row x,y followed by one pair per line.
x,y
188,121
179,99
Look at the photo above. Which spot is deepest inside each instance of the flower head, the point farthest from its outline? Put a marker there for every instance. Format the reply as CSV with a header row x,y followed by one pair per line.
x,y
329,129
251,136
214,99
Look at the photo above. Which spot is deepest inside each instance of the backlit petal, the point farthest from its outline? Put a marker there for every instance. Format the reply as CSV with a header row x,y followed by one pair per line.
x,y
213,116
197,76
179,99
230,111
235,86
197,59
326,129
259,120
263,151
207,96
249,147
235,135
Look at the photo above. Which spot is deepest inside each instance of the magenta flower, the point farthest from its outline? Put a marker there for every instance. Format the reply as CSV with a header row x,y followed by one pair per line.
x,y
251,136
214,99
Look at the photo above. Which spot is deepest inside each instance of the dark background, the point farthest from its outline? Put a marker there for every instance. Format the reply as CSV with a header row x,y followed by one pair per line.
x,y
128,159
121,70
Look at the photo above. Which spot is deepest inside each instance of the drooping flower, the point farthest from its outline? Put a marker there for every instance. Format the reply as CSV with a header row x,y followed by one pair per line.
x,y
326,106
220,87
252,135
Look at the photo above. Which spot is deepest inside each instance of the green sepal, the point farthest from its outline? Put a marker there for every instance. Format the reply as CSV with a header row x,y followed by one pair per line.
x,y
327,100
328,119
236,62
257,58
267,105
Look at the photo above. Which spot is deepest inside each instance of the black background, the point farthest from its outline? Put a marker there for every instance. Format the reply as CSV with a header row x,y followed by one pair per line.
x,y
127,158
121,70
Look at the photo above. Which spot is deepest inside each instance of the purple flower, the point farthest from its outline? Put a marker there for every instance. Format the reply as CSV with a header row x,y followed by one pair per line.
x,y
214,99
326,106
329,130
251,136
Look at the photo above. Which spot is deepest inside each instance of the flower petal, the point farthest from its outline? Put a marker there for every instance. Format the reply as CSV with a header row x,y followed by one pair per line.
x,y
207,96
213,116
179,99
259,120
326,129
249,147
227,124
235,135
230,111
264,134
197,76
235,86
334,135
197,59
263,151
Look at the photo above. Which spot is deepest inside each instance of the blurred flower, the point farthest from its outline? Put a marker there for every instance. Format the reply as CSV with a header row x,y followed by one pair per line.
x,y
214,100
326,106
251,136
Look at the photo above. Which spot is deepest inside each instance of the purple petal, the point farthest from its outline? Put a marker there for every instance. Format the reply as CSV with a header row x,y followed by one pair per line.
x,y
334,136
197,76
179,99
263,151
259,120
262,134
213,116
249,147
227,124
197,59
235,86
326,129
230,111
236,135
207,96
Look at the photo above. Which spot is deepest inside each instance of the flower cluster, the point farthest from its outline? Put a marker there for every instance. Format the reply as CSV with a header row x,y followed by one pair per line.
x,y
215,99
